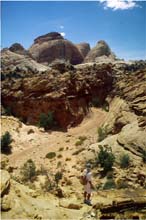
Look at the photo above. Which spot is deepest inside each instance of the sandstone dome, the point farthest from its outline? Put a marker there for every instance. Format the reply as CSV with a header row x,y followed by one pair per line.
x,y
52,46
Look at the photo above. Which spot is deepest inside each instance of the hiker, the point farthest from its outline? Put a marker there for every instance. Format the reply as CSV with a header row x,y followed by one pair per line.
x,y
88,186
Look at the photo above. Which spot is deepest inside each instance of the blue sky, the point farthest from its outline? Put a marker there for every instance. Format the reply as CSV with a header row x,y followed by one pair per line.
x,y
122,26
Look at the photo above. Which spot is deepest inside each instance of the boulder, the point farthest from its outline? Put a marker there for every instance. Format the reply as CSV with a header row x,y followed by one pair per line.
x,y
6,203
52,46
84,48
65,203
132,138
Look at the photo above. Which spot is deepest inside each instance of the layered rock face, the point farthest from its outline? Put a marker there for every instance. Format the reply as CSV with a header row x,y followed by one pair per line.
x,y
84,48
52,46
67,95
17,64
101,49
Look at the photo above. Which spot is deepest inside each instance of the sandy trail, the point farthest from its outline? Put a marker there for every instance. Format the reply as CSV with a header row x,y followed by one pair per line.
x,y
38,144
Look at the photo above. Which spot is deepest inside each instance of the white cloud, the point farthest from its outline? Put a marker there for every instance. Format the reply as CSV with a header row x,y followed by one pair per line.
x,y
63,34
118,4
61,27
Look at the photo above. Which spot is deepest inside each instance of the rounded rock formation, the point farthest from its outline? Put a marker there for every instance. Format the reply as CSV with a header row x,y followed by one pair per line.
x,y
52,46
101,49
84,48
19,49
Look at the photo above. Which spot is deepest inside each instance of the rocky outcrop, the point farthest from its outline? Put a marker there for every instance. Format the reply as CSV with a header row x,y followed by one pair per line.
x,y
52,46
5,182
19,65
84,48
100,50
19,49
67,95
132,88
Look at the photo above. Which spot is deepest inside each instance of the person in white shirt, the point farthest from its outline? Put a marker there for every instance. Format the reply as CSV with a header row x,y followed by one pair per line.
x,y
88,186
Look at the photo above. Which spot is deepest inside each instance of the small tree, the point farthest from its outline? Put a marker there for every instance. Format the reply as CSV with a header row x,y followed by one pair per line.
x,y
28,171
6,141
102,133
46,120
124,161
58,177
106,158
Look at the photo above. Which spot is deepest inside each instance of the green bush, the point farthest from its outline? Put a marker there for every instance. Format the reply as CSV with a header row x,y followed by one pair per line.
x,y
102,133
81,140
96,102
106,158
8,111
58,177
46,120
6,141
109,184
105,106
50,155
28,171
144,156
124,161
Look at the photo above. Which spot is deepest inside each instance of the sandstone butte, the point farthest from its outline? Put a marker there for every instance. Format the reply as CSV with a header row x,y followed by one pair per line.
x,y
100,92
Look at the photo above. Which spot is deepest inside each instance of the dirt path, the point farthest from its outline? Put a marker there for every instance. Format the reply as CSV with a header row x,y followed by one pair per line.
x,y
37,144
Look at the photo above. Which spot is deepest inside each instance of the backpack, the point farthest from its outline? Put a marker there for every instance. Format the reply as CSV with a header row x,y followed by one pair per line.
x,y
83,180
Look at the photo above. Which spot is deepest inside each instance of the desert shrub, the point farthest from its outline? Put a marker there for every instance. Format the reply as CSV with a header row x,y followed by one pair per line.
x,y
124,161
28,170
110,175
78,151
105,158
102,133
68,159
95,102
109,184
78,143
6,141
48,185
58,177
61,149
8,111
59,156
105,106
122,185
46,120
81,140
50,155
58,164
144,156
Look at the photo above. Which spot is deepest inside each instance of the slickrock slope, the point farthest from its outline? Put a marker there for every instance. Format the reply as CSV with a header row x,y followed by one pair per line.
x,y
67,95
18,65
52,46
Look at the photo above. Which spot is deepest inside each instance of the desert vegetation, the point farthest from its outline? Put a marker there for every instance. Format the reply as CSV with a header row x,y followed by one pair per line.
x,y
46,121
105,158
6,141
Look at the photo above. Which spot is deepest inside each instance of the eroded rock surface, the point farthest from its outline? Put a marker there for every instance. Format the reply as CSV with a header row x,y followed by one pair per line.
x,y
67,95
52,46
